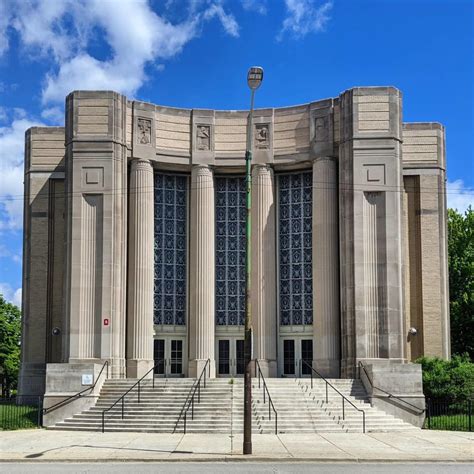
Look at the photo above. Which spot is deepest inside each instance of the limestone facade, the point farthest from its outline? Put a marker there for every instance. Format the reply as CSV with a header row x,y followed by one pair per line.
x,y
133,249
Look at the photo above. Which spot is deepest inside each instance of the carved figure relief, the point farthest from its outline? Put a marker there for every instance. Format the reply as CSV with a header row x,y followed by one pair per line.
x,y
321,129
262,136
203,137
144,131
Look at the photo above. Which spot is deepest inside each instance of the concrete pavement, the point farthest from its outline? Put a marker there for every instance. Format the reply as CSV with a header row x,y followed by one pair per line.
x,y
412,446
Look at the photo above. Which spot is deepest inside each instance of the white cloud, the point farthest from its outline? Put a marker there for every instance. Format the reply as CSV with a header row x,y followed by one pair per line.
x,y
259,6
5,18
304,16
12,147
54,115
460,196
3,114
228,21
62,31
10,294
5,252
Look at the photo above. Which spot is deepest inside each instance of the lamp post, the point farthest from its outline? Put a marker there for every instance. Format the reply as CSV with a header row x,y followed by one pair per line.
x,y
254,79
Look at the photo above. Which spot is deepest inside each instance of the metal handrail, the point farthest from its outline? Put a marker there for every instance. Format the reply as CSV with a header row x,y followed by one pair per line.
x,y
419,410
259,374
190,398
68,400
127,392
344,398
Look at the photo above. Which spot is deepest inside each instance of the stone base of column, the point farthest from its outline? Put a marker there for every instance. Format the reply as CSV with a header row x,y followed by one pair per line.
x,y
268,367
195,367
330,368
117,369
31,381
137,368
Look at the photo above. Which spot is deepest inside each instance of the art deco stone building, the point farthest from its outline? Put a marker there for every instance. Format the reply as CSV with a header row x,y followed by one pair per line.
x,y
134,238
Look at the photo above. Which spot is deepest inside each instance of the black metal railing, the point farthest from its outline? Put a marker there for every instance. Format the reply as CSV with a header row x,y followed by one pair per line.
x,y
344,399
448,415
18,413
271,406
77,395
122,398
406,405
189,403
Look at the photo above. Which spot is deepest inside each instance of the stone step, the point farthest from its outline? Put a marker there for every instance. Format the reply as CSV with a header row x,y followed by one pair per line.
x,y
301,409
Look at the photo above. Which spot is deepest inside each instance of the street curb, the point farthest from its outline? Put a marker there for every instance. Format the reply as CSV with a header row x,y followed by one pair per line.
x,y
242,459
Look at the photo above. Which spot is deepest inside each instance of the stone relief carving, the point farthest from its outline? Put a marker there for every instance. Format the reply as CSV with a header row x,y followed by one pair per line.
x,y
321,129
203,137
262,136
144,131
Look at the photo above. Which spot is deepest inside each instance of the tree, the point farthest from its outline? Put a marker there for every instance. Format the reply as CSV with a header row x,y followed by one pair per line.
x,y
10,335
461,280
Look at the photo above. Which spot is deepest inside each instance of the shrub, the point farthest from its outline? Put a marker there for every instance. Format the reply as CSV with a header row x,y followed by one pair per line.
x,y
448,380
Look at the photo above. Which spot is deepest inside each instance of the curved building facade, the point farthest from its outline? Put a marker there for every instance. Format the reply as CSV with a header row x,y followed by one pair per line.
x,y
134,244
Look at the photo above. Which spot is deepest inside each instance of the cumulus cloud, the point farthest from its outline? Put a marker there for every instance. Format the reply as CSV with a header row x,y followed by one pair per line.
x,y
304,16
12,146
460,196
10,294
63,32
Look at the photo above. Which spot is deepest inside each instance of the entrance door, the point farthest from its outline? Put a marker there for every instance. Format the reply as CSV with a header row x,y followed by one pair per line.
x,y
168,355
296,350
230,357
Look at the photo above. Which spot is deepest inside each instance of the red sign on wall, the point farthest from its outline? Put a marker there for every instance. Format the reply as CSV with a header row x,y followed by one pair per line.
x,y
106,322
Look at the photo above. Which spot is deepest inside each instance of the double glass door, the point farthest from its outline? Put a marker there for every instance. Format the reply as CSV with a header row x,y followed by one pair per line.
x,y
169,355
230,357
294,352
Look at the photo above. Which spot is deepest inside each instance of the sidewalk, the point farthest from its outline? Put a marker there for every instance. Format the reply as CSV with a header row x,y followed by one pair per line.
x,y
423,445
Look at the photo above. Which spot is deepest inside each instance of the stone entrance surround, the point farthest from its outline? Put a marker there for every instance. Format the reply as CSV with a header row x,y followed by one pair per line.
x,y
378,233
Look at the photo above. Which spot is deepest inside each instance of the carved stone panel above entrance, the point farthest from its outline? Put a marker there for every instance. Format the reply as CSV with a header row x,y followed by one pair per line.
x,y
203,137
262,136
144,131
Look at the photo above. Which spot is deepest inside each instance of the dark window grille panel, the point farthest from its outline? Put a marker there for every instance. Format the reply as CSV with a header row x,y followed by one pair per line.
x,y
295,249
230,251
170,195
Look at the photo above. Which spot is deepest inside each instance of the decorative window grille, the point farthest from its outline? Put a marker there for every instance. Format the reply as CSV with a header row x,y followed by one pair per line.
x,y
295,248
230,251
170,249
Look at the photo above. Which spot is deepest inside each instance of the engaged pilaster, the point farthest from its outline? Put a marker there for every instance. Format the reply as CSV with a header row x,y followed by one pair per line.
x,y
140,273
326,267
202,269
263,297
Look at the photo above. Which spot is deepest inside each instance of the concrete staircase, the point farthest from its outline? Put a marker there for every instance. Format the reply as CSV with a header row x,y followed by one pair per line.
x,y
304,410
220,409
300,408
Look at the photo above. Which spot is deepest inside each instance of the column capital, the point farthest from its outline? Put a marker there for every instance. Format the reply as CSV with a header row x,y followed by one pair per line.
x,y
327,157
142,163
262,167
201,170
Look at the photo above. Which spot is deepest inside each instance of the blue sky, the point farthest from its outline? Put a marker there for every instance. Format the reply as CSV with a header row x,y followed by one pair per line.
x,y
195,53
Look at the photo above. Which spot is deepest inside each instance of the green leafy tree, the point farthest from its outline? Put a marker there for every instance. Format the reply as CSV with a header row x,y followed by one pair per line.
x,y
10,334
461,280
448,380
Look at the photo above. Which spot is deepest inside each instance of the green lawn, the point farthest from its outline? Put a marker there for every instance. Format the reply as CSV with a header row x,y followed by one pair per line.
x,y
17,417
449,422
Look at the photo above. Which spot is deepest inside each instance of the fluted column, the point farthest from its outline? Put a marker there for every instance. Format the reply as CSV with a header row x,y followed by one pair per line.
x,y
326,324
202,271
263,295
140,270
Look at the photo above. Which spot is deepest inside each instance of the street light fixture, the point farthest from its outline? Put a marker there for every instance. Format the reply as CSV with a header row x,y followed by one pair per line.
x,y
254,79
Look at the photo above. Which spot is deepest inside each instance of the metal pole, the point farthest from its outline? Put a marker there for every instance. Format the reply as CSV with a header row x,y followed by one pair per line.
x,y
469,413
247,446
